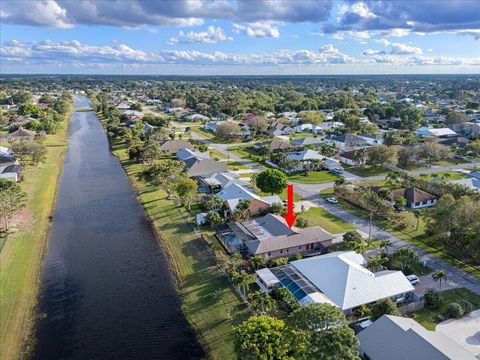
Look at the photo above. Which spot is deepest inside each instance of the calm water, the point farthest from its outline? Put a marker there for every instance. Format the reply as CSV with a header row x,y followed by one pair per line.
x,y
106,290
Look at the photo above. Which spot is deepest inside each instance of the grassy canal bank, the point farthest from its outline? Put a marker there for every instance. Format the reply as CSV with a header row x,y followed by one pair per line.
x,y
208,301
22,253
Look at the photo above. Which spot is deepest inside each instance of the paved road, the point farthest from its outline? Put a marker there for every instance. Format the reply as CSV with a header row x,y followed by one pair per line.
x,y
311,192
457,276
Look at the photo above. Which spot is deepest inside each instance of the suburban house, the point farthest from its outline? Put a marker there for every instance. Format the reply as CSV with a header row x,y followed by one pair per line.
x,y
218,181
147,127
172,146
305,156
203,167
132,114
467,128
346,141
338,278
275,145
308,128
349,158
372,139
184,154
399,338
472,183
435,132
233,194
416,198
307,141
11,172
269,236
196,117
21,134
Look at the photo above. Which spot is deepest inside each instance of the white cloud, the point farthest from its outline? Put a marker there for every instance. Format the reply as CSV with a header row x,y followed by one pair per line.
x,y
210,36
399,48
258,29
42,13
370,52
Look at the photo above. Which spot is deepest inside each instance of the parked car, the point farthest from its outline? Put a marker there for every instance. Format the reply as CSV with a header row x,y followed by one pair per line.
x,y
332,200
400,301
338,170
414,280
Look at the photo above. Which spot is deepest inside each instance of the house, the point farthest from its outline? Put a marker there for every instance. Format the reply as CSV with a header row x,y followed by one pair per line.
x,y
458,141
416,198
435,132
331,164
305,156
234,193
339,278
132,114
472,183
346,141
218,181
466,128
269,236
147,127
5,151
11,172
21,134
184,154
350,158
203,167
308,128
196,117
372,139
475,174
306,141
212,126
274,145
399,338
172,146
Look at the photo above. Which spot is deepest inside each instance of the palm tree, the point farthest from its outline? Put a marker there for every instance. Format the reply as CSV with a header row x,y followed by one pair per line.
x,y
385,244
417,213
340,181
243,278
439,275
260,301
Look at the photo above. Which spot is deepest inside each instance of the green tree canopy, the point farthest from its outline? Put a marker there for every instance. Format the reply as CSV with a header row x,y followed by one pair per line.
x,y
271,181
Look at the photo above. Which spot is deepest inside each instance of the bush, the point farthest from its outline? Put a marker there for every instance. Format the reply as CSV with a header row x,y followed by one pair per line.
x,y
278,262
453,310
285,300
302,223
466,306
432,298
276,207
297,256
383,307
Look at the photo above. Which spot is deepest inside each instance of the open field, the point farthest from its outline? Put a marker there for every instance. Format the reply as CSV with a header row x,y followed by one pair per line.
x,y
194,265
21,257
429,318
447,175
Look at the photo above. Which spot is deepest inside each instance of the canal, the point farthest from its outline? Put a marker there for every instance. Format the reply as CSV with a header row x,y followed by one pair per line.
x,y
106,290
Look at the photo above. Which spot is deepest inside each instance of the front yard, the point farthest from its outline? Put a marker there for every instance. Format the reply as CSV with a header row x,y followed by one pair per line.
x,y
366,171
429,318
320,217
314,177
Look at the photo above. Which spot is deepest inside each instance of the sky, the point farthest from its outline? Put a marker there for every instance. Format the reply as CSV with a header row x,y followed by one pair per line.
x,y
239,37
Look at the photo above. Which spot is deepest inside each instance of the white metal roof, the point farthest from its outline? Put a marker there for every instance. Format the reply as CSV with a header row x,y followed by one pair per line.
x,y
398,338
267,276
342,277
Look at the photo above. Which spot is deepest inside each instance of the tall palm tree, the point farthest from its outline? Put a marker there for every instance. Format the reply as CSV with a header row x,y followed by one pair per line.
x,y
386,244
439,275
418,214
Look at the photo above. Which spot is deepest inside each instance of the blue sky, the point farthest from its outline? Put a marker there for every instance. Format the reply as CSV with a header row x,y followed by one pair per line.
x,y
239,37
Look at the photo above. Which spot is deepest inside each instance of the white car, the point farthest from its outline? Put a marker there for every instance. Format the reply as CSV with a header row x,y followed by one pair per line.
x,y
332,200
414,280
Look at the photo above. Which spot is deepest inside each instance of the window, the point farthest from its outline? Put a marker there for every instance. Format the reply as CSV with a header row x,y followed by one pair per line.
x,y
417,204
299,248
281,251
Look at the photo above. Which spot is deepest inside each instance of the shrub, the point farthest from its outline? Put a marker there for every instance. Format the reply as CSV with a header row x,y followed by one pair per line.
x,y
278,262
276,208
297,256
301,222
285,300
432,299
383,307
453,310
466,306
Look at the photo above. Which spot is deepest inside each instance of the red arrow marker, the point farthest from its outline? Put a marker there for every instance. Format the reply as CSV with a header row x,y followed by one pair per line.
x,y
290,217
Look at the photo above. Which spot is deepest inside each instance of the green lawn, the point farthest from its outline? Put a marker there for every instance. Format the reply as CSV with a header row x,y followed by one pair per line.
x,y
314,177
366,171
215,154
283,195
447,175
430,317
21,257
195,266
331,223
235,165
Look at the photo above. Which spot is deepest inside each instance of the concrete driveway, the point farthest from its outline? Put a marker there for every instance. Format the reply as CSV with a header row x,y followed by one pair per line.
x,y
465,331
426,282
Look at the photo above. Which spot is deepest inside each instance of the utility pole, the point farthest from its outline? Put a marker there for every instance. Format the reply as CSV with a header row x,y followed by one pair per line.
x,y
370,228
